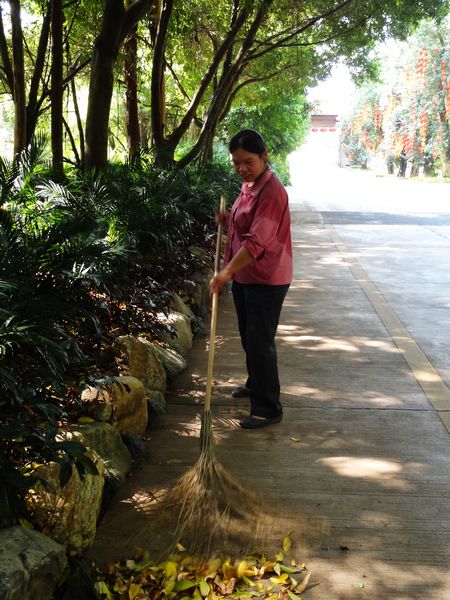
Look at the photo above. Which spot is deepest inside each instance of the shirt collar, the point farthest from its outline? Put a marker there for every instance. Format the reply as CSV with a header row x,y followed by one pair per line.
x,y
257,187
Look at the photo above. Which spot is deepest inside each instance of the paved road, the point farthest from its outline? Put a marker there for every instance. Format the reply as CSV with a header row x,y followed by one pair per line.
x,y
399,229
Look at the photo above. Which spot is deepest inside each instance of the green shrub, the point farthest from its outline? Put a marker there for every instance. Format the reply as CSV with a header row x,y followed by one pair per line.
x,y
83,262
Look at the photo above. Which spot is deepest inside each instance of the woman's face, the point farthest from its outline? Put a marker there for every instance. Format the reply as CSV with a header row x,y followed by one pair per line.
x,y
248,165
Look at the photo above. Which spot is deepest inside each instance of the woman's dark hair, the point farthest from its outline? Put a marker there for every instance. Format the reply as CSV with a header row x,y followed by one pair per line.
x,y
249,140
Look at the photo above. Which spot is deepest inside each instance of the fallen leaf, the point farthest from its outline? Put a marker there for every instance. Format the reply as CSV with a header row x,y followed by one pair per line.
x,y
170,568
134,591
242,567
184,584
304,584
290,570
281,579
358,585
287,543
102,588
204,587
86,420
295,439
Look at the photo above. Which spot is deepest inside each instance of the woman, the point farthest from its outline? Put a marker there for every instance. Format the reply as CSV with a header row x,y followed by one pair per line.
x,y
258,258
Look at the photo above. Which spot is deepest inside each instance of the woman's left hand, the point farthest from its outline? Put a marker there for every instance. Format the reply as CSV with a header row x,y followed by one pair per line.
x,y
219,280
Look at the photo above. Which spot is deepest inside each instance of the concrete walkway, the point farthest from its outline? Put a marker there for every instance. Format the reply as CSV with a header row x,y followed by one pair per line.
x,y
359,468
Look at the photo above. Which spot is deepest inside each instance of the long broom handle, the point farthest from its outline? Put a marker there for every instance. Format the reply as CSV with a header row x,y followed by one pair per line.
x,y
215,299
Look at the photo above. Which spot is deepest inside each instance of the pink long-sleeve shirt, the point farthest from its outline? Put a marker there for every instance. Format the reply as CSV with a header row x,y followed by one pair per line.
x,y
260,221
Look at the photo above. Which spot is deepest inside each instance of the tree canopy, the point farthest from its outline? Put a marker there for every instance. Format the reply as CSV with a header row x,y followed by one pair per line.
x,y
176,67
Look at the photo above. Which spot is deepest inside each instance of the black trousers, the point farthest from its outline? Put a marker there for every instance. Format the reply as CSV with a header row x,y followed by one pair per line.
x,y
258,309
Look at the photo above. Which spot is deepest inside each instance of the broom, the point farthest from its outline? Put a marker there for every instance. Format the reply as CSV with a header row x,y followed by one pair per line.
x,y
211,506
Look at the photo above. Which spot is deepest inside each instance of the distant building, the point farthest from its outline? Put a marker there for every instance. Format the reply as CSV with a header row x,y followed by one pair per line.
x,y
324,123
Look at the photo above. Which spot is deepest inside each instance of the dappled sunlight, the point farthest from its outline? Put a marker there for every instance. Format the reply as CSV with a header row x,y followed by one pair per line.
x,y
189,428
427,376
331,396
304,338
385,472
334,259
319,343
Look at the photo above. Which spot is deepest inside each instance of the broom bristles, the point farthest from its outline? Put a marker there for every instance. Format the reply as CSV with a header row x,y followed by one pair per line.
x,y
209,507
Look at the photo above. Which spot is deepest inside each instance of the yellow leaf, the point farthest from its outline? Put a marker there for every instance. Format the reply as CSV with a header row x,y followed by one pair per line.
x,y
267,567
281,579
102,588
25,523
248,581
242,567
134,590
170,568
180,547
169,585
287,544
295,439
279,557
259,586
86,420
304,584
197,595
277,569
213,568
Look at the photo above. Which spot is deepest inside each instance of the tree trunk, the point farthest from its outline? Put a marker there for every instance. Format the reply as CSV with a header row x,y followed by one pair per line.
x,y
79,157
414,170
101,85
20,116
117,22
164,152
33,104
57,89
133,131
7,67
403,164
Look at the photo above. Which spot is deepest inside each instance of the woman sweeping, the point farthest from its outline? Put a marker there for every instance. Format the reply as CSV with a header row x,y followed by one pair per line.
x,y
258,259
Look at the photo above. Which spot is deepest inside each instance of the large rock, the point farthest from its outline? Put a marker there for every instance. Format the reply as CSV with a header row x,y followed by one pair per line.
x,y
182,342
173,362
137,357
68,515
124,402
179,305
201,296
106,441
31,564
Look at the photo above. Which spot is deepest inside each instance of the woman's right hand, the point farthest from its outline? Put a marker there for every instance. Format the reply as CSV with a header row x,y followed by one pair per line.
x,y
222,217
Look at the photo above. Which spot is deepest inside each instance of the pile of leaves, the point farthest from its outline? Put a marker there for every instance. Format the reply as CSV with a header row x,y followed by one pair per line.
x,y
182,576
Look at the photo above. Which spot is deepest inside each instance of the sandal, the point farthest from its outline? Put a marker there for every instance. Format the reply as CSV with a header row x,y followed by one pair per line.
x,y
253,422
240,392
